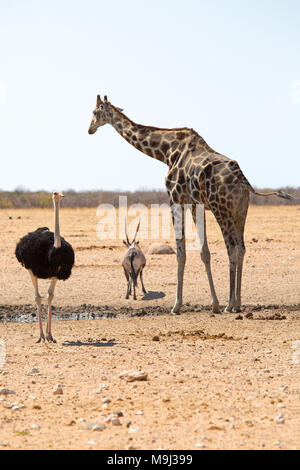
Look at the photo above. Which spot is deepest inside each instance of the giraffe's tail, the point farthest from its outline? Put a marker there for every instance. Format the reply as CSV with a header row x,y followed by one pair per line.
x,y
281,194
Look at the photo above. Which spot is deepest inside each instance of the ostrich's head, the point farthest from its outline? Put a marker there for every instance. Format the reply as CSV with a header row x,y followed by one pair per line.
x,y
102,114
57,196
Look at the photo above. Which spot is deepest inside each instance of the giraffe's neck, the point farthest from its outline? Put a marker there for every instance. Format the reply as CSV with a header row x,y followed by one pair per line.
x,y
155,142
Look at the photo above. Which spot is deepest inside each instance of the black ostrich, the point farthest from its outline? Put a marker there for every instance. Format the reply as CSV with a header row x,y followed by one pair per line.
x,y
46,255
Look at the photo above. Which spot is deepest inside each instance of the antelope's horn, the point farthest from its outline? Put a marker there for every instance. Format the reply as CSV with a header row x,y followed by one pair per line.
x,y
137,229
126,232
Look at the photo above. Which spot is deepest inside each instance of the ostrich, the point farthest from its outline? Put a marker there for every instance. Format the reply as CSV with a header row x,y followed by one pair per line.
x,y
133,263
46,255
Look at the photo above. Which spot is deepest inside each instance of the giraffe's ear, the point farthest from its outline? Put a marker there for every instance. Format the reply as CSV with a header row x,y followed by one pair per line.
x,y
120,109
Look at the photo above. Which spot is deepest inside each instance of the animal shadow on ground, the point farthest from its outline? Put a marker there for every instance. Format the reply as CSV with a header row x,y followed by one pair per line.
x,y
151,295
96,344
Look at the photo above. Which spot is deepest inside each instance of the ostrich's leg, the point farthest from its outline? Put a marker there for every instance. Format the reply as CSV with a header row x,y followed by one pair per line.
x,y
38,303
50,298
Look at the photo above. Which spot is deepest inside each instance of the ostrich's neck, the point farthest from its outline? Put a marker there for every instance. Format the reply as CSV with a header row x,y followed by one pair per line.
x,y
155,142
57,241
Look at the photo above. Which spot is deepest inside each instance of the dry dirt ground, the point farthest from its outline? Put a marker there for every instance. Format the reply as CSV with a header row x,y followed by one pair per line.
x,y
212,382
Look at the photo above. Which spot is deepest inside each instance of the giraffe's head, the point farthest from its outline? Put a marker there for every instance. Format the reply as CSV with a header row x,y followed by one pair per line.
x,y
101,114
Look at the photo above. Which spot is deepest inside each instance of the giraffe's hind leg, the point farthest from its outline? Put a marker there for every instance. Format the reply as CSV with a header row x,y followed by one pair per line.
x,y
233,233
232,277
198,213
238,300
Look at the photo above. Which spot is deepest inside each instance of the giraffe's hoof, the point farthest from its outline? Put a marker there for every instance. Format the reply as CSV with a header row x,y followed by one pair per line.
x,y
237,309
216,309
228,309
176,310
41,339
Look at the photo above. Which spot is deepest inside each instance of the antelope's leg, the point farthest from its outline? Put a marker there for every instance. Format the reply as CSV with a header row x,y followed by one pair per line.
x,y
141,278
128,284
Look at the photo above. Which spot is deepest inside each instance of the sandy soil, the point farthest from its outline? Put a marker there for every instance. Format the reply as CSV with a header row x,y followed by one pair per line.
x,y
212,382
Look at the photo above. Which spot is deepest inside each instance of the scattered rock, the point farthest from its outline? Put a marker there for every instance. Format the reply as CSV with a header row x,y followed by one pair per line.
x,y
106,400
6,391
34,371
131,375
35,426
115,422
58,390
100,389
249,315
95,426
133,429
155,338
279,419
17,406
160,249
239,317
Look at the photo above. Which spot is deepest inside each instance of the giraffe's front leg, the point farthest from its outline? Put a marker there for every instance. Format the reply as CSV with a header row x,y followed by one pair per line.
x,y
178,221
181,258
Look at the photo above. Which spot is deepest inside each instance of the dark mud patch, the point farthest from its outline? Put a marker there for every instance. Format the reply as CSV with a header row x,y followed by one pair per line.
x,y
27,313
199,334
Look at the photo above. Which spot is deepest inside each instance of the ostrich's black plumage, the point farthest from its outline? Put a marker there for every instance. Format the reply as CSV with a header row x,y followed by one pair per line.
x,y
36,251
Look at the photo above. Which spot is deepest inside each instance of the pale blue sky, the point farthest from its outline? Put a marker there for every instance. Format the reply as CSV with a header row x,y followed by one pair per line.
x,y
224,67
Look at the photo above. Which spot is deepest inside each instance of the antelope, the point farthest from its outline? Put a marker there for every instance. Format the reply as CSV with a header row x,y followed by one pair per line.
x,y
133,263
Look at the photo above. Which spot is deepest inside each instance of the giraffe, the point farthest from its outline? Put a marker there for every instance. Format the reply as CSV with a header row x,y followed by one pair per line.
x,y
197,175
